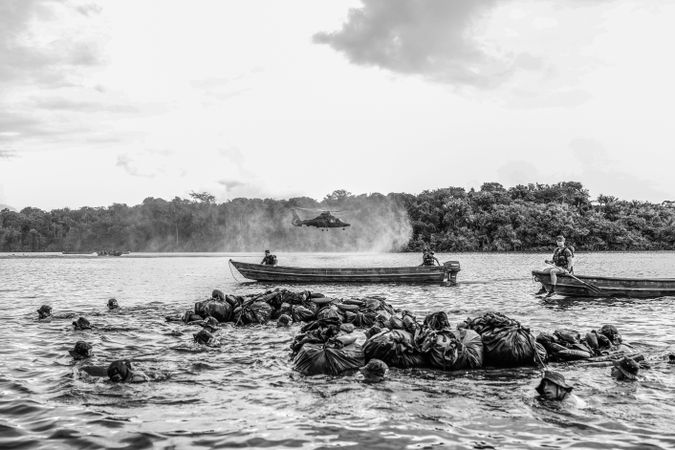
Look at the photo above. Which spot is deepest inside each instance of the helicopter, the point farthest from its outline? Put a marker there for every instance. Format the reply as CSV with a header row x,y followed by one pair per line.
x,y
324,220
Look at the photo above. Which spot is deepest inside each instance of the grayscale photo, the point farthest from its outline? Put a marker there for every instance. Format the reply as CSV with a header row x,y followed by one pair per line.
x,y
355,224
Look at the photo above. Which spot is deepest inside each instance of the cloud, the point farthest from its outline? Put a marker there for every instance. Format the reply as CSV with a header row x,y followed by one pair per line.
x,y
552,98
230,184
33,49
47,48
518,172
601,175
65,104
131,166
427,37
89,9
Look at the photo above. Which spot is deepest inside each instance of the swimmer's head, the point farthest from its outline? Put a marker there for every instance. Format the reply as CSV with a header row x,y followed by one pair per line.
x,y
119,370
81,350
284,320
374,371
112,304
611,332
211,324
203,337
626,369
82,324
553,386
44,311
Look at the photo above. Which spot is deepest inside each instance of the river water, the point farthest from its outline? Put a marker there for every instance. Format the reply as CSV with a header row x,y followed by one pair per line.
x,y
245,394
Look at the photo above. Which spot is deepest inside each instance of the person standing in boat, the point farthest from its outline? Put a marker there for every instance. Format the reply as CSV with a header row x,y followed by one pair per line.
x,y
269,259
428,258
561,262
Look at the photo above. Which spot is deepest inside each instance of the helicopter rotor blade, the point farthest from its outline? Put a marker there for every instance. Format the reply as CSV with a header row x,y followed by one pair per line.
x,y
306,209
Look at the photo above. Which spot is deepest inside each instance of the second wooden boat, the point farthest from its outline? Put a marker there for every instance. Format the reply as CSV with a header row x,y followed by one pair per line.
x,y
592,286
446,273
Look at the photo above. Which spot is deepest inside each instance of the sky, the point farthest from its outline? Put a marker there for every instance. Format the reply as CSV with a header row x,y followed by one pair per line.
x,y
106,102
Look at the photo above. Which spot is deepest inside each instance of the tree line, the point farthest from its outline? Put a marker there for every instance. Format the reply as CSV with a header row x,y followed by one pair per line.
x,y
453,219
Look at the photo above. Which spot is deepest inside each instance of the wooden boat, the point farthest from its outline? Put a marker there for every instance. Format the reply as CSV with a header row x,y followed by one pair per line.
x,y
111,253
592,286
446,274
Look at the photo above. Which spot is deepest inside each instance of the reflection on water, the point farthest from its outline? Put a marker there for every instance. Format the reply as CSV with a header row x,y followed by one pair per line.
x,y
244,393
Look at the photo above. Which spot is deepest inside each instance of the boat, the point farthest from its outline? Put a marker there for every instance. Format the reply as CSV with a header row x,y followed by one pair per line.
x,y
111,253
599,286
445,274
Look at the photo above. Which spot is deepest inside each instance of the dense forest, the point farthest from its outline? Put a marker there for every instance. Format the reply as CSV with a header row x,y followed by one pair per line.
x,y
494,218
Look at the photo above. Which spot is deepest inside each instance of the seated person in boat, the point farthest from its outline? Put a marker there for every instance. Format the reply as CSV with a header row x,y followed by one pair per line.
x,y
561,262
428,258
269,259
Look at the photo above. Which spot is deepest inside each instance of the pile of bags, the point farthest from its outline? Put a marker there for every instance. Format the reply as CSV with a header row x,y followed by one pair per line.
x,y
401,341
327,343
304,306
569,345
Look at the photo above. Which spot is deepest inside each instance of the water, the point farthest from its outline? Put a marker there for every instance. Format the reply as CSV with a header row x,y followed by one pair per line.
x,y
245,394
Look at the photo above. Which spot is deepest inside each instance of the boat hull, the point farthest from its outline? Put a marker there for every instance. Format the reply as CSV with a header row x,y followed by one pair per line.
x,y
608,286
420,274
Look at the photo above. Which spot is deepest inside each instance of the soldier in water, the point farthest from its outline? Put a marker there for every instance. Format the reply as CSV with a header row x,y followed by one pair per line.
x,y
120,371
553,386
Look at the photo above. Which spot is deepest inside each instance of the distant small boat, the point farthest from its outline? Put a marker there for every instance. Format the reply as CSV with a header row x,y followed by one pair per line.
x,y
111,253
447,274
592,286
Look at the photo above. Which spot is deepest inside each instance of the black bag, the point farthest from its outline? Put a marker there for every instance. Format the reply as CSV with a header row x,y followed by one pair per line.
x,y
364,319
439,347
252,313
395,323
489,321
302,314
513,346
409,322
329,358
567,336
329,312
372,331
437,321
394,347
470,352
219,310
